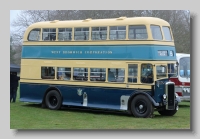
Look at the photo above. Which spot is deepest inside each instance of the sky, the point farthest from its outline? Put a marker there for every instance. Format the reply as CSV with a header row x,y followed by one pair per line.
x,y
13,15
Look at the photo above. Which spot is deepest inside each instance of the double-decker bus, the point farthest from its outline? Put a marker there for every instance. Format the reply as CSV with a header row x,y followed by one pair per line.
x,y
182,79
115,64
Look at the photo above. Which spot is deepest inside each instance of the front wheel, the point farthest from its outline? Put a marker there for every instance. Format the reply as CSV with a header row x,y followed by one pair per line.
x,y
168,112
53,100
142,107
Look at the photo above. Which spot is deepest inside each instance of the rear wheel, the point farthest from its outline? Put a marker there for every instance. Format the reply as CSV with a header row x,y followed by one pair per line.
x,y
53,100
142,107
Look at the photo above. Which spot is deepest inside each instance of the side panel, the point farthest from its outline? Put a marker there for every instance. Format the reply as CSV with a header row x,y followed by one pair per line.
x,y
97,97
32,92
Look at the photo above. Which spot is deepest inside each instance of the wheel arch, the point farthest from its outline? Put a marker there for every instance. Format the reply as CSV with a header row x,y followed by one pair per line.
x,y
134,94
50,89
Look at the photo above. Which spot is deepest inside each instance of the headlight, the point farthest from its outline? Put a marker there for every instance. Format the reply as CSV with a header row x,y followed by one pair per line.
x,y
164,96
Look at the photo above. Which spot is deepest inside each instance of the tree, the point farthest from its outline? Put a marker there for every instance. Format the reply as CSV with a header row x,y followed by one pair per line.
x,y
12,52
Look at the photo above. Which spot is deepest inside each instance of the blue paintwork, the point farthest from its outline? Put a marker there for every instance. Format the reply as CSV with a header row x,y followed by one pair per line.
x,y
99,97
159,89
112,52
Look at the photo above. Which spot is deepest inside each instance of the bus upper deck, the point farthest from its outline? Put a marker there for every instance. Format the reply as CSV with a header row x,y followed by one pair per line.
x,y
115,39
141,30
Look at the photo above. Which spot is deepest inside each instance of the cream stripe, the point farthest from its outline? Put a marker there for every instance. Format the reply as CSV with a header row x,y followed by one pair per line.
x,y
87,83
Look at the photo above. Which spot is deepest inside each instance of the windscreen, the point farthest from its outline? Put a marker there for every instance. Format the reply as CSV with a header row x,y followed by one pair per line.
x,y
184,67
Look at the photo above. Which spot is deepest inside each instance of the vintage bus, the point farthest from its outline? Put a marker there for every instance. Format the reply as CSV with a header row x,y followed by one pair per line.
x,y
182,79
114,64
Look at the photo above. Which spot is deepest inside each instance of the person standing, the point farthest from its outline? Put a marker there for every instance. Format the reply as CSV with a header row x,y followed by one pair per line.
x,y
14,79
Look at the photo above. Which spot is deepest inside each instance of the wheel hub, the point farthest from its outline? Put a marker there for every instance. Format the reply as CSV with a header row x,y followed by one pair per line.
x,y
53,101
141,107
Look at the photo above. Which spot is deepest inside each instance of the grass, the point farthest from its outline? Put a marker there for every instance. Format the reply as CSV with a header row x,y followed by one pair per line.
x,y
32,116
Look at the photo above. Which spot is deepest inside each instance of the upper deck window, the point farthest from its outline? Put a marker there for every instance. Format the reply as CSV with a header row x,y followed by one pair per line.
x,y
81,34
34,35
117,32
156,32
167,34
99,33
49,34
64,34
137,32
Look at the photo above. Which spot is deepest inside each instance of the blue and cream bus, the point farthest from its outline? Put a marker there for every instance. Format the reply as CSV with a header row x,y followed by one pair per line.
x,y
117,64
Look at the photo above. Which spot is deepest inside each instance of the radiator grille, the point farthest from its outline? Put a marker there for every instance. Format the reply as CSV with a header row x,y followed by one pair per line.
x,y
170,96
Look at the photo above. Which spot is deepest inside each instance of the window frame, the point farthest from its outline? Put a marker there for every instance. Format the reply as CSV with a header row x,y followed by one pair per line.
x,y
102,76
130,78
116,35
38,36
137,33
160,30
48,76
168,33
64,34
49,34
87,35
84,73
99,31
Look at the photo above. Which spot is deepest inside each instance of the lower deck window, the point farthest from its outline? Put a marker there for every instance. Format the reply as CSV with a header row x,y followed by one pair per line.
x,y
172,70
116,74
63,73
98,74
161,71
80,74
47,73
146,73
132,73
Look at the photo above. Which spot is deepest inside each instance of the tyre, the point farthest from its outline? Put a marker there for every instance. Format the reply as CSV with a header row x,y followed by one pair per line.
x,y
141,107
53,100
167,112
